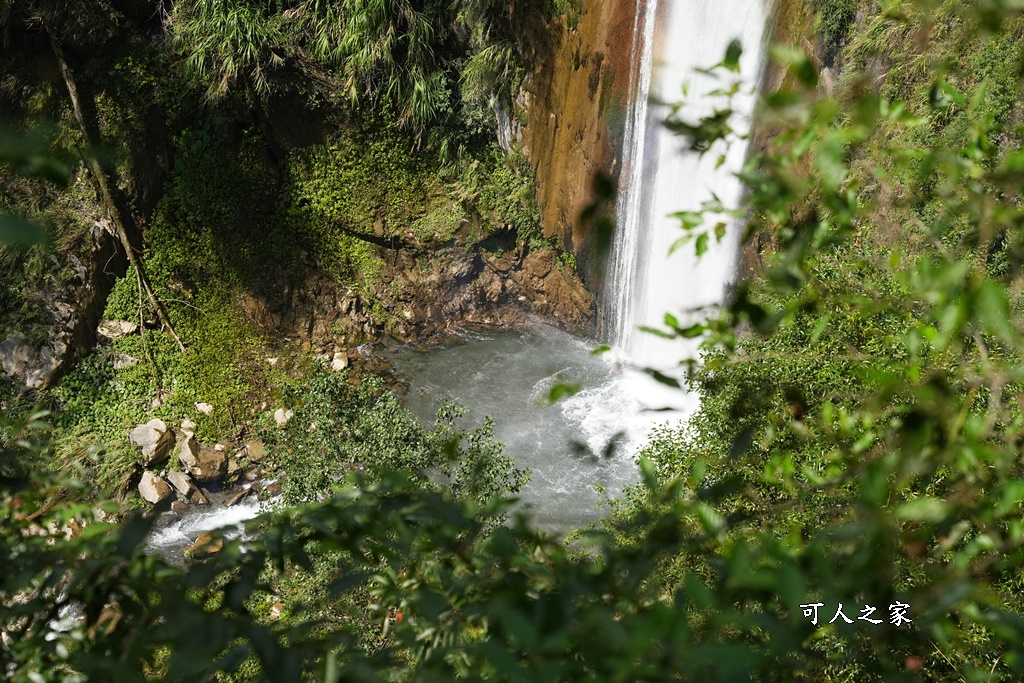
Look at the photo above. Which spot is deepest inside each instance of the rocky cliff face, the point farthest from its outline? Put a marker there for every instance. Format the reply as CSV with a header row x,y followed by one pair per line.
x,y
576,103
70,318
427,292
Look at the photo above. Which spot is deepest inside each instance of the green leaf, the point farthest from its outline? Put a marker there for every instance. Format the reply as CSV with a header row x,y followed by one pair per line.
x,y
798,63
658,333
663,378
562,390
697,593
732,55
697,473
994,310
702,244
923,510
20,234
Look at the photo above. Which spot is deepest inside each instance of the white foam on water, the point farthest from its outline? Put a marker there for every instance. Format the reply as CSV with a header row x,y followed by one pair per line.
x,y
171,539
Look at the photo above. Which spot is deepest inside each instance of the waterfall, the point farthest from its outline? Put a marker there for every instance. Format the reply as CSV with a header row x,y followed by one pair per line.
x,y
623,286
660,177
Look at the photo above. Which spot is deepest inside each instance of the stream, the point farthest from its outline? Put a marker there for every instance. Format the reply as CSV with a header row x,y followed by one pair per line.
x,y
173,533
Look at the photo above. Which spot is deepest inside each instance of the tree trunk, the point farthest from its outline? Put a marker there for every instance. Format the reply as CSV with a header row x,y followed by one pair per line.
x,y
105,190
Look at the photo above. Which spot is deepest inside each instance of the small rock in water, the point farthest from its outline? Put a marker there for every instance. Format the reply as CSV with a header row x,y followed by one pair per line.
x,y
179,506
270,490
238,497
206,544
204,408
153,489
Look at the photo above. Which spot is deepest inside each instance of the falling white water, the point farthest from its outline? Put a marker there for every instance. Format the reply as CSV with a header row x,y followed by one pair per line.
x,y
661,177
623,289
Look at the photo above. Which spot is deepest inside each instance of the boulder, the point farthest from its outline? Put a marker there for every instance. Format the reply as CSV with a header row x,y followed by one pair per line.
x,y
339,362
210,466
188,452
202,462
154,440
204,408
15,354
281,416
254,449
153,488
37,357
182,483
114,329
238,497
37,369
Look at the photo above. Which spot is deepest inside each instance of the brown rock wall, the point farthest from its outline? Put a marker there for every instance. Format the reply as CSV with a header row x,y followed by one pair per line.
x,y
576,102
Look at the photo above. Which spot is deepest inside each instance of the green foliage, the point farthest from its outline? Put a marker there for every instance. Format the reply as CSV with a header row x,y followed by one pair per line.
x,y
339,427
364,189
834,20
438,67
858,445
858,441
502,188
228,43
344,197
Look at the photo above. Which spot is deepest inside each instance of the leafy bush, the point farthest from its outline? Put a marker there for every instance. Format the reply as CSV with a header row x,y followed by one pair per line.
x,y
339,428
834,19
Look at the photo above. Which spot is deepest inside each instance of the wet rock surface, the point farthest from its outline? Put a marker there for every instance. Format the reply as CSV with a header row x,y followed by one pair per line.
x,y
576,100
425,289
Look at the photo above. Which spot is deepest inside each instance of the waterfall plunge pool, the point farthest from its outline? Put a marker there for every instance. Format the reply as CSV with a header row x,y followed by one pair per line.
x,y
507,375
